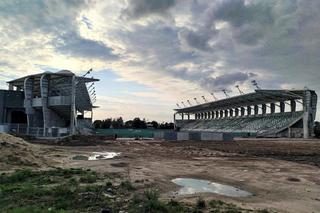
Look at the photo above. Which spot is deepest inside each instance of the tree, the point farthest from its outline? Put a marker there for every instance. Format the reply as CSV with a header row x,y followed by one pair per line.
x,y
137,123
155,124
97,124
166,125
117,123
128,124
106,123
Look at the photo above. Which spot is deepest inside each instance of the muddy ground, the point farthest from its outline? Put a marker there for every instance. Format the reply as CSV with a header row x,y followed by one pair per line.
x,y
283,175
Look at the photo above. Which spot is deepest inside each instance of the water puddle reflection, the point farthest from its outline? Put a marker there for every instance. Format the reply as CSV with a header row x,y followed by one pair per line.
x,y
97,156
193,186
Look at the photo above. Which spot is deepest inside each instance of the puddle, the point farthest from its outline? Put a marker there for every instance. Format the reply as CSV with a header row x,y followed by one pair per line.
x,y
121,164
193,186
97,156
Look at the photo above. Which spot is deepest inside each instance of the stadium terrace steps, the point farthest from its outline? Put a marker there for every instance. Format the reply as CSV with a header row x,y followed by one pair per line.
x,y
256,124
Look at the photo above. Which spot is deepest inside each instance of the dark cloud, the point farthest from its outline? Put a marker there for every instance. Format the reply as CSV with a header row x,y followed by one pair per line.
x,y
47,16
158,44
197,39
58,19
238,13
204,78
140,8
74,45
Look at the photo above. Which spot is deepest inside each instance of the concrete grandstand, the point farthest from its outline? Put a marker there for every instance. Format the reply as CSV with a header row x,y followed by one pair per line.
x,y
47,104
263,113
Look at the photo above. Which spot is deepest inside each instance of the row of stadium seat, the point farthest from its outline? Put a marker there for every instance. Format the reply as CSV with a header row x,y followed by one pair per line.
x,y
270,123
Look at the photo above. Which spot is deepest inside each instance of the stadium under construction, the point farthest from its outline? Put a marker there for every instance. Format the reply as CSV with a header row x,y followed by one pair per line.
x,y
48,104
263,113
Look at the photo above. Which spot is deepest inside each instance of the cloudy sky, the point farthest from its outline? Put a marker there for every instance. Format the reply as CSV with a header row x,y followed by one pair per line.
x,y
152,54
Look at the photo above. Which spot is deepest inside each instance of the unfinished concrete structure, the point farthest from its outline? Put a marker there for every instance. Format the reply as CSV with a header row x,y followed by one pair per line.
x,y
50,102
264,113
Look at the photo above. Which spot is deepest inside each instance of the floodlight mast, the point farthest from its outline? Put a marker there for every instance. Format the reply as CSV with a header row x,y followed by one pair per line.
x,y
214,97
204,98
189,102
195,99
255,83
87,73
183,103
240,91
225,92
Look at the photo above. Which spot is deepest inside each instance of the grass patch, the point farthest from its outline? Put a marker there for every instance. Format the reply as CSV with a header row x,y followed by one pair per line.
x,y
78,190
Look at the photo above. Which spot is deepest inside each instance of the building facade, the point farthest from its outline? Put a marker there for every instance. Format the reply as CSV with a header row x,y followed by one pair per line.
x,y
264,113
48,102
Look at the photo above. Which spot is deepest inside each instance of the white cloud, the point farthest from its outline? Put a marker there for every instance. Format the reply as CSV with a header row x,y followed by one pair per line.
x,y
180,49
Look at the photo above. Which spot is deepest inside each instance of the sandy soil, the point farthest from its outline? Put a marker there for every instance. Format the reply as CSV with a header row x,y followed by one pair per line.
x,y
16,153
283,175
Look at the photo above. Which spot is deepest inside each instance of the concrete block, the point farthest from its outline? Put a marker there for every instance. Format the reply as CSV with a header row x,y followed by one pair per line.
x,y
4,128
195,136
170,136
216,136
158,135
182,136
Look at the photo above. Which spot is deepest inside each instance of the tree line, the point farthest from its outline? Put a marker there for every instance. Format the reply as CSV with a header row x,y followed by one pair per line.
x,y
136,123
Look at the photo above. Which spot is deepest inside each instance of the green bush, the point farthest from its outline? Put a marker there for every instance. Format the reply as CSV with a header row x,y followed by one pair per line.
x,y
17,176
88,178
201,203
126,185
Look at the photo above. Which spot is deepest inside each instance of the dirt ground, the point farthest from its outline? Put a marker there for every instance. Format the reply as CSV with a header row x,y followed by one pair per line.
x,y
283,175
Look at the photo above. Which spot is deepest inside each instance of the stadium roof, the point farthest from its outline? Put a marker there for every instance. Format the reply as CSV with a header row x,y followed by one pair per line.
x,y
260,96
63,73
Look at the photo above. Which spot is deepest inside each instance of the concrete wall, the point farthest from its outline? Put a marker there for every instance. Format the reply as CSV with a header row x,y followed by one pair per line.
x,y
10,99
194,136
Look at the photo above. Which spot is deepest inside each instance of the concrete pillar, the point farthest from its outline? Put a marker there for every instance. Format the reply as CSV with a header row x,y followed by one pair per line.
x,y
306,109
282,106
202,115
44,89
272,108
264,109
289,132
188,116
174,121
10,87
293,105
236,111
226,113
28,94
231,112
242,111
249,110
217,114
182,116
221,113
73,118
212,115
256,109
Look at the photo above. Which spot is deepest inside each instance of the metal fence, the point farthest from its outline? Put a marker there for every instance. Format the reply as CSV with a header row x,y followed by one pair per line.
x,y
24,129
